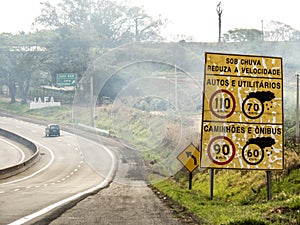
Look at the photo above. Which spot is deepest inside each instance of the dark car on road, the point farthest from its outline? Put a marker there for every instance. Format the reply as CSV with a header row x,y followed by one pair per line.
x,y
52,130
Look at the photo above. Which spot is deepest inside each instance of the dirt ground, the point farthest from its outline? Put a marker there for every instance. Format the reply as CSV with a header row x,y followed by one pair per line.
x,y
121,204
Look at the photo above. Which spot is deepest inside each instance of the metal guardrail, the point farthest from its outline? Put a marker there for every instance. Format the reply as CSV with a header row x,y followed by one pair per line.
x,y
101,132
18,168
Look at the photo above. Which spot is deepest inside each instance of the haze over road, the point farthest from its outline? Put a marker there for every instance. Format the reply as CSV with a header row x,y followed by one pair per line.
x,y
60,173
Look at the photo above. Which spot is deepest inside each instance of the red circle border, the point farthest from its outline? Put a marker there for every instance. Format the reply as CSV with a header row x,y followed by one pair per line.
x,y
211,99
209,153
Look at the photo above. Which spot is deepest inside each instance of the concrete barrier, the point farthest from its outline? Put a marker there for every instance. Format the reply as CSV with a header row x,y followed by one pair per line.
x,y
13,170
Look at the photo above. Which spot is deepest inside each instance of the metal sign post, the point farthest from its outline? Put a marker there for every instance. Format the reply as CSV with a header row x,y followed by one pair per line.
x,y
190,180
269,185
211,187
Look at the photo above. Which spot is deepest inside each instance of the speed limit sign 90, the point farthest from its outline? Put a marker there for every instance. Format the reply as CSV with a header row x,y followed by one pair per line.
x,y
221,150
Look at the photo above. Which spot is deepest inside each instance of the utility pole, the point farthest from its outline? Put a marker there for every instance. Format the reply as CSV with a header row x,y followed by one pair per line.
x,y
219,11
176,97
92,100
212,172
297,111
262,30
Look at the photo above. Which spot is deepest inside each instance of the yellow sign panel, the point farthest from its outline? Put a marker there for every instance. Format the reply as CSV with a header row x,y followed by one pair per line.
x,y
243,65
242,121
190,157
242,99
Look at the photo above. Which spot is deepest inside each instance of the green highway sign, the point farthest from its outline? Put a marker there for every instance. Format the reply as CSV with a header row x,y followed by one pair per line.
x,y
66,79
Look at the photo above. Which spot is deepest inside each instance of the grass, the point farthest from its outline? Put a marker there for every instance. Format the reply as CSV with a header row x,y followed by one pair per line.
x,y
234,200
60,114
13,107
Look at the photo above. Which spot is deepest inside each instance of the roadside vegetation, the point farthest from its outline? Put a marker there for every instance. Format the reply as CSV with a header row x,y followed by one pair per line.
x,y
71,37
240,197
60,114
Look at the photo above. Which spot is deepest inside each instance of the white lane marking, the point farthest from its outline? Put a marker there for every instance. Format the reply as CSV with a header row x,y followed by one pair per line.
x,y
19,149
73,197
37,172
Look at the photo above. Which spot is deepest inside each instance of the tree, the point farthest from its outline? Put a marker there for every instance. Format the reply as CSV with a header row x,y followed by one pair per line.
x,y
274,31
17,68
20,58
243,35
7,76
70,38
143,27
82,28
277,31
68,52
67,13
109,23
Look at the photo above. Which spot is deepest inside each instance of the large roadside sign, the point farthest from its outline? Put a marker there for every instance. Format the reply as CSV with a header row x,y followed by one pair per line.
x,y
66,79
242,121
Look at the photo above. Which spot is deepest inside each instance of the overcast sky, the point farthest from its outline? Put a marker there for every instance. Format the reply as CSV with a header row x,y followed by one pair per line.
x,y
196,18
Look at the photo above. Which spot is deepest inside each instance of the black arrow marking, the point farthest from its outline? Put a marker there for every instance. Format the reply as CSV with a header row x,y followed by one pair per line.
x,y
189,154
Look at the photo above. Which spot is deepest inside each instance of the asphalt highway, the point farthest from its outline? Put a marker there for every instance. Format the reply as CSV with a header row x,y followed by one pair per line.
x,y
82,179
61,175
12,153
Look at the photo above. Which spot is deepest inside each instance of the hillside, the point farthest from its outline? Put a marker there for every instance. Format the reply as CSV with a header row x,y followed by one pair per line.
x,y
240,197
